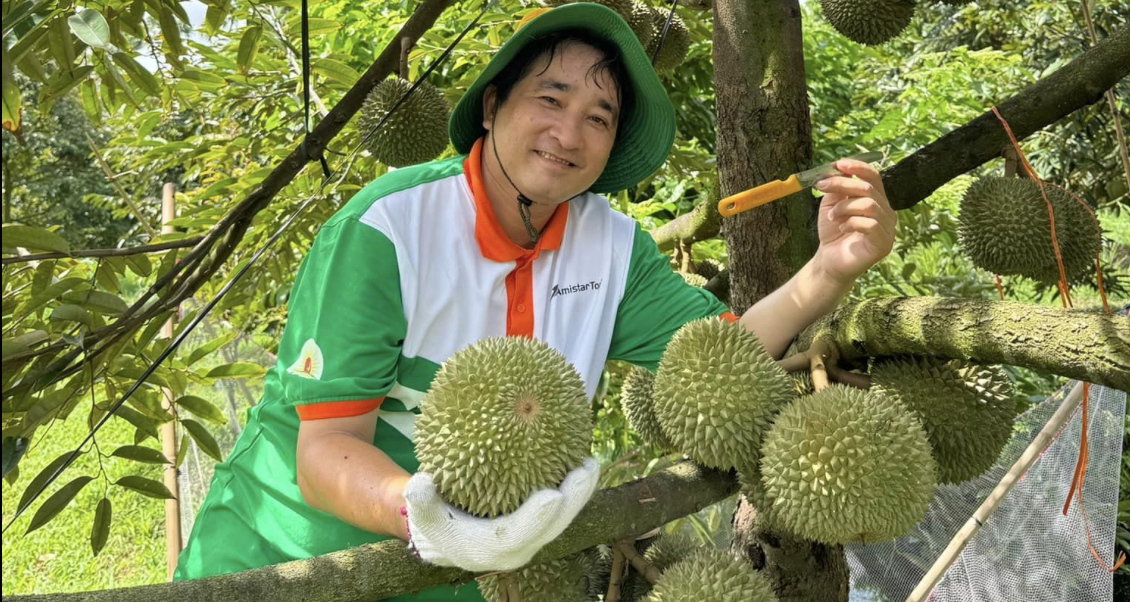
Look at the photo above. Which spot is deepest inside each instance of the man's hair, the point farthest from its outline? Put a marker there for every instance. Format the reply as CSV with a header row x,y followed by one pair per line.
x,y
610,64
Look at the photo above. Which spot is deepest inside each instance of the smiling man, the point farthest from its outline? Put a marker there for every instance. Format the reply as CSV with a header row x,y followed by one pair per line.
x,y
511,238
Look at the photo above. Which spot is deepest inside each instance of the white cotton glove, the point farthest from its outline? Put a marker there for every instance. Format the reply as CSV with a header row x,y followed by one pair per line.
x,y
447,536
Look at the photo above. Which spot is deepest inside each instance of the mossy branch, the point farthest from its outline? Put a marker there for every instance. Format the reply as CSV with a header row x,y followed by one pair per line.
x,y
1084,345
387,569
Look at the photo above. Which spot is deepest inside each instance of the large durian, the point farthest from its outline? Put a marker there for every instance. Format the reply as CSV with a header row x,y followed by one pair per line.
x,y
708,268
675,45
415,133
636,399
503,417
966,409
567,579
710,575
869,21
845,465
751,486
663,552
716,391
1003,227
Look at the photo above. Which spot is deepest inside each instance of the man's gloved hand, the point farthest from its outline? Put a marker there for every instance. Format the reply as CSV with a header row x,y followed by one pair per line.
x,y
446,536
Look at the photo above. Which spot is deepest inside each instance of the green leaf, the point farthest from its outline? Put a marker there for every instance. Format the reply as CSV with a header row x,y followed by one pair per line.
x,y
14,448
40,479
63,81
31,237
91,104
12,109
144,486
205,80
182,451
248,47
99,301
202,351
140,453
236,370
55,504
317,27
72,313
23,343
336,71
202,408
138,74
51,292
203,438
214,18
100,530
170,32
60,43
139,264
142,423
90,27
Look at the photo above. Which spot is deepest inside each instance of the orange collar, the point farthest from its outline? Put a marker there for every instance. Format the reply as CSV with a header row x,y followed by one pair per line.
x,y
493,242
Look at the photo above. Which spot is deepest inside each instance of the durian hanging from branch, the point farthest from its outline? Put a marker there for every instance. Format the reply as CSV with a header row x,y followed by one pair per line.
x,y
868,21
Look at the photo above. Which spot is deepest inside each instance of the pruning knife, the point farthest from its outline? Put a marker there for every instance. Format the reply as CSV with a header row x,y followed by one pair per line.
x,y
771,191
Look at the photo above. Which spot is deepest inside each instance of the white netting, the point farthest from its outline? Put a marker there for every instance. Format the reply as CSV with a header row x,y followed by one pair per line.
x,y
1028,550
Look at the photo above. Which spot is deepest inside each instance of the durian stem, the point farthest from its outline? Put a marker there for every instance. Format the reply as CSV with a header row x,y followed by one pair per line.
x,y
616,576
795,362
405,47
509,587
639,563
852,379
816,354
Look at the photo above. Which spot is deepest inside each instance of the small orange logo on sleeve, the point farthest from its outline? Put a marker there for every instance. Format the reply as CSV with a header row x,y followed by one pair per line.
x,y
309,362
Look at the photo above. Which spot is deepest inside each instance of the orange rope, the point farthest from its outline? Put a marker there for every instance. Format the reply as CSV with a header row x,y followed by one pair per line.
x,y
1000,291
1065,299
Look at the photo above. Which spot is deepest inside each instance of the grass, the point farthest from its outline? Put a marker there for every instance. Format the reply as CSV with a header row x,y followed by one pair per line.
x,y
57,557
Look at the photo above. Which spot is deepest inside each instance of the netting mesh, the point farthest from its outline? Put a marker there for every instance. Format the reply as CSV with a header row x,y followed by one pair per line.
x,y
1028,550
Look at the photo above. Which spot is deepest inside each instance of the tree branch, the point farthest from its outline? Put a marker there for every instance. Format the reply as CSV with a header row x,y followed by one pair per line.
x,y
1083,345
387,569
1080,83
154,248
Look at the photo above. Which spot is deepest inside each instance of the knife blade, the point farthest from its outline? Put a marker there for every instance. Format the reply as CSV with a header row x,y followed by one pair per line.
x,y
771,191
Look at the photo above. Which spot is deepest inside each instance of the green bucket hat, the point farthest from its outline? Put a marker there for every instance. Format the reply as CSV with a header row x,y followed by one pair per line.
x,y
646,133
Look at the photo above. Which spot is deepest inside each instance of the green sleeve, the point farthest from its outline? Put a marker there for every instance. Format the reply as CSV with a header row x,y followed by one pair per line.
x,y
345,322
657,302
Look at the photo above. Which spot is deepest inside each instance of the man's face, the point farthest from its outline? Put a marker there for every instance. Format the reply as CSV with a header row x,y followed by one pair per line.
x,y
557,127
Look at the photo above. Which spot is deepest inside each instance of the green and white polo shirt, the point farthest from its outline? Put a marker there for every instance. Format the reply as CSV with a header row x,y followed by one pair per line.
x,y
414,268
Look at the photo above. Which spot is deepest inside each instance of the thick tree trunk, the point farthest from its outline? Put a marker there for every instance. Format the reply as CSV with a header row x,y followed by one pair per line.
x,y
764,134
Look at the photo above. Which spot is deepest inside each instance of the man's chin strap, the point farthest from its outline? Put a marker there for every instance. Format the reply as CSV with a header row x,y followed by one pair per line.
x,y
524,202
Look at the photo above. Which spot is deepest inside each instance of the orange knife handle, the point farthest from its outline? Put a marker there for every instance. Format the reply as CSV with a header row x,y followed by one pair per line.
x,y
757,196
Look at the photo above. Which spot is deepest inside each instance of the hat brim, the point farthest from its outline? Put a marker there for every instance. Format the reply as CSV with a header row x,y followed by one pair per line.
x,y
648,128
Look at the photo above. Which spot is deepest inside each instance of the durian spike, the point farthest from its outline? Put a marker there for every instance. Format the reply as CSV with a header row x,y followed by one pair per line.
x,y
638,562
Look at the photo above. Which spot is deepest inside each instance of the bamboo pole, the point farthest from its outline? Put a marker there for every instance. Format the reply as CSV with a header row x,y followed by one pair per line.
x,y
168,429
981,516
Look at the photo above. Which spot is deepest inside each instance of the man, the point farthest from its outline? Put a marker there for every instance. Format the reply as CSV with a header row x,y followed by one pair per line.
x,y
509,239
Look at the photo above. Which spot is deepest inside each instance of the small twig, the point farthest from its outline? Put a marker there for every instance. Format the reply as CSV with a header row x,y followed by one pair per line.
x,y
639,563
154,248
616,576
110,177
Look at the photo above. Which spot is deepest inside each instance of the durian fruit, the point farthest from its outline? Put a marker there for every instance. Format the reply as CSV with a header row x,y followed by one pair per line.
x,y
716,391
640,20
663,552
711,575
802,383
966,409
869,21
621,6
693,279
415,133
567,579
708,268
503,417
674,49
845,465
1003,227
636,399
